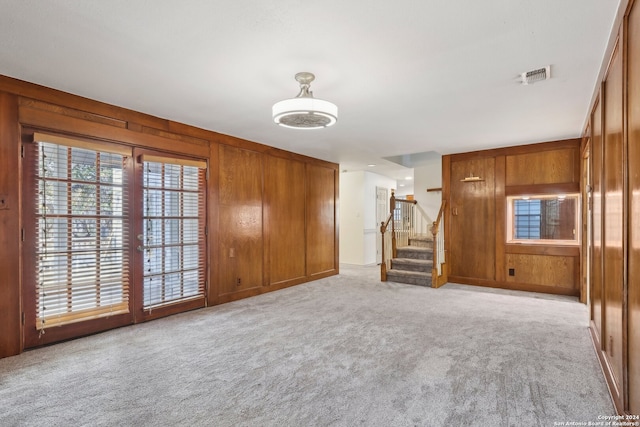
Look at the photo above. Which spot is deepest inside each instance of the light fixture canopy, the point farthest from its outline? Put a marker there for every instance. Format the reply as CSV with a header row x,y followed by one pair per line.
x,y
304,111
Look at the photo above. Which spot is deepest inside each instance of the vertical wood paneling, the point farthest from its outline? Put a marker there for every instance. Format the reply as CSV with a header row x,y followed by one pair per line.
x,y
240,215
285,218
10,312
473,219
596,220
446,195
321,219
585,215
213,185
613,267
501,218
633,283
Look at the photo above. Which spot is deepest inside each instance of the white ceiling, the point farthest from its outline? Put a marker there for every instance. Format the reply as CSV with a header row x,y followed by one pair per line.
x,y
408,76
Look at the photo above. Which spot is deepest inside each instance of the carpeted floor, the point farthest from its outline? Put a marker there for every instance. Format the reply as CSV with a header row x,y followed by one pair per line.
x,y
344,351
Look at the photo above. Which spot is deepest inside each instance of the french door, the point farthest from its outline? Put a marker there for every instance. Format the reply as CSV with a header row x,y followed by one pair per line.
x,y
170,234
112,236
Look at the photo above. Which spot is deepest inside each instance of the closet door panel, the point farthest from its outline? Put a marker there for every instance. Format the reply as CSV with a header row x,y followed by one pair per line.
x,y
322,252
285,217
613,217
473,219
240,216
596,220
633,111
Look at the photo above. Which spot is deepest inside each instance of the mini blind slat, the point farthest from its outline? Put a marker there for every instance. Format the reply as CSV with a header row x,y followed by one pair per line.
x,y
81,231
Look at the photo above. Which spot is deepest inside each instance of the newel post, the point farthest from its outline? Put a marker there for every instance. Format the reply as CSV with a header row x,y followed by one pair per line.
x,y
383,264
434,267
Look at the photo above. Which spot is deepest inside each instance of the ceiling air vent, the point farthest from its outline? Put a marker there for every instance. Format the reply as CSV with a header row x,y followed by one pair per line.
x,y
538,75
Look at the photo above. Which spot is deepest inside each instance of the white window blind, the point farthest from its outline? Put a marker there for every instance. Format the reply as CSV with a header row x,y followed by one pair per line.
x,y
82,242
174,230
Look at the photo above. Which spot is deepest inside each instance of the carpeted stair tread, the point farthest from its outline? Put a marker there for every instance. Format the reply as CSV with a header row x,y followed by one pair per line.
x,y
421,241
412,264
408,273
415,252
414,260
418,278
416,248
422,237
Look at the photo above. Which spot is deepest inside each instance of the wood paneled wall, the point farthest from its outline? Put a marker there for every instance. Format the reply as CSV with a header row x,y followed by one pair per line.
x,y
10,302
476,231
614,253
271,213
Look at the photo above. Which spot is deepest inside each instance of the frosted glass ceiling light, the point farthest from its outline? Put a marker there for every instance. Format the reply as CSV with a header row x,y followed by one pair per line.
x,y
304,111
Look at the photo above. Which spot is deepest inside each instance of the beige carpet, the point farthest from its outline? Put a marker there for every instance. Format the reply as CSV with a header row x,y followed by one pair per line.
x,y
343,351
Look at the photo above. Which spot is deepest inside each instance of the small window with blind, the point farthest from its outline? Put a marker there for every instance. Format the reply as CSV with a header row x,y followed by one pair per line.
x,y
81,233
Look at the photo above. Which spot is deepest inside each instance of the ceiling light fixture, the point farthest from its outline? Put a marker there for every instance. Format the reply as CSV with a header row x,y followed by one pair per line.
x,y
304,111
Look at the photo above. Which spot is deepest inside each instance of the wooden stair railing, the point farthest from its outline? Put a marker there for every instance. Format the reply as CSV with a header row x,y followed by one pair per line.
x,y
402,218
439,275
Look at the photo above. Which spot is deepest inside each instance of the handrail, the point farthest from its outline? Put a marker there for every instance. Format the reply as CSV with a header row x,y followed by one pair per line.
x,y
439,274
440,212
386,255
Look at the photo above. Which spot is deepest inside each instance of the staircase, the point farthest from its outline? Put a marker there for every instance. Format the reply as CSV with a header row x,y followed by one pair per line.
x,y
413,263
412,247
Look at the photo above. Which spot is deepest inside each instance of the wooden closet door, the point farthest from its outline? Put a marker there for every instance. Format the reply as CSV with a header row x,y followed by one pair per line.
x,y
633,286
596,221
473,219
240,222
285,219
613,251
322,193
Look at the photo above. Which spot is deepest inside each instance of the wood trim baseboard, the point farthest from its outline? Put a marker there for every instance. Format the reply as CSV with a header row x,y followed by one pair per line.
x,y
259,290
515,286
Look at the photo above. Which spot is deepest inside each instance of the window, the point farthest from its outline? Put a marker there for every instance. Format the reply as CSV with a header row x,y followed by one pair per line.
x,y
542,219
527,219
